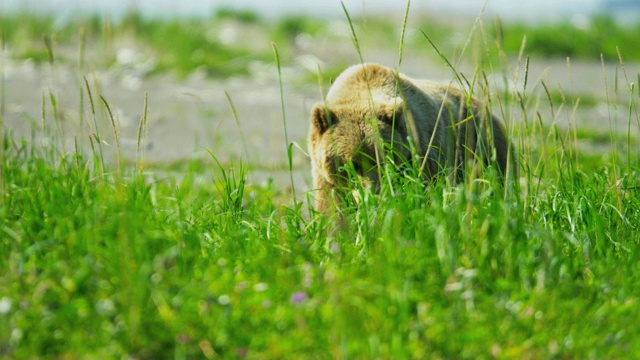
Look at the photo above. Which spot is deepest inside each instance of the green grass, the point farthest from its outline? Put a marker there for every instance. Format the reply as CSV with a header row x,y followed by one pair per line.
x,y
98,265
601,36
184,45
246,16
179,46
102,260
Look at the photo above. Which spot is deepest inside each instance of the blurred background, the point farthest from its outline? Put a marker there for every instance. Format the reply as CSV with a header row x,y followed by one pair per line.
x,y
212,71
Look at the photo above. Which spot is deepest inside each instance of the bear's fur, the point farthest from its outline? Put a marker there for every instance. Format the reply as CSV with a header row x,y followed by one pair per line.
x,y
369,105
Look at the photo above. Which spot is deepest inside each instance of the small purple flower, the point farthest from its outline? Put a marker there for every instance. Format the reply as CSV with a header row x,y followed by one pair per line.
x,y
182,338
298,297
242,352
241,286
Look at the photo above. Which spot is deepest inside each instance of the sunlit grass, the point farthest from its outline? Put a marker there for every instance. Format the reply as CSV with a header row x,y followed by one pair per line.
x,y
105,260
598,35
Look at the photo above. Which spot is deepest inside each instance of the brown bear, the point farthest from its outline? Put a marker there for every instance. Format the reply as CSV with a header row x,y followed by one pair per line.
x,y
369,105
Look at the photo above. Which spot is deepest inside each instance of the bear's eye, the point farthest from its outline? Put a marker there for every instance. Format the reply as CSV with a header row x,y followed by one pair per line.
x,y
363,164
350,167
357,167
334,163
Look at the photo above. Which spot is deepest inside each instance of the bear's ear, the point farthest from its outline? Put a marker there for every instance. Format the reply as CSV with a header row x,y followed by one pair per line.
x,y
322,118
391,112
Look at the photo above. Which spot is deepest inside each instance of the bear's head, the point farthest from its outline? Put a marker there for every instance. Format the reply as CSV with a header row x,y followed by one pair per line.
x,y
345,136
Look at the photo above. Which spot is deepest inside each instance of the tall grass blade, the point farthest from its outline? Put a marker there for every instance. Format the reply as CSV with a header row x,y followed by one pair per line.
x,y
459,80
237,120
141,134
476,23
3,88
443,57
95,133
354,38
632,88
612,120
94,129
402,34
116,130
56,118
321,83
49,45
82,39
526,75
43,114
3,81
81,109
632,107
284,121
231,189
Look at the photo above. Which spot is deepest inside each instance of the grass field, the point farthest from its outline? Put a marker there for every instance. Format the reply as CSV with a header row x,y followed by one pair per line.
x,y
113,260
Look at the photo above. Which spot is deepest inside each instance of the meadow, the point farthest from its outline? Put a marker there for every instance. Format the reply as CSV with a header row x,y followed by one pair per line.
x,y
113,259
